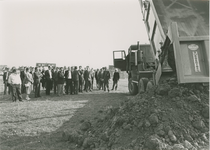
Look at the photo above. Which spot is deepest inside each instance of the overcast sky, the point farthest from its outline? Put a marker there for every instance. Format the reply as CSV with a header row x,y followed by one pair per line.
x,y
68,32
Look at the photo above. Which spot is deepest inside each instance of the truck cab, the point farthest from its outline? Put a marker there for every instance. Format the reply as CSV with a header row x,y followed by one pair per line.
x,y
139,63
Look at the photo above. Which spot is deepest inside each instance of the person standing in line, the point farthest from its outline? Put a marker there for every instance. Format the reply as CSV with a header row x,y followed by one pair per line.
x,y
37,77
9,86
73,86
101,79
90,81
28,80
48,78
43,80
60,81
68,77
31,71
52,71
84,74
15,83
86,77
106,76
96,78
76,80
116,78
92,77
81,79
55,79
22,76
65,84
5,80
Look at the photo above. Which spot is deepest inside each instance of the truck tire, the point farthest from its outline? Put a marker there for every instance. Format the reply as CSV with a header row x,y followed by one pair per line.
x,y
142,85
132,87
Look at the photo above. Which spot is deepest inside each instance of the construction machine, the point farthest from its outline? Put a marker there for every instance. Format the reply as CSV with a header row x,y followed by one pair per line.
x,y
178,32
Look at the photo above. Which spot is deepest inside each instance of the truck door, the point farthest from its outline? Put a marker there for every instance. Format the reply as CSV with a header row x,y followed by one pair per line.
x,y
119,59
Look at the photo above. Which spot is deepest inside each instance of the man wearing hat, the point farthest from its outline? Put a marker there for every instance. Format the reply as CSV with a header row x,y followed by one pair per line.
x,y
15,83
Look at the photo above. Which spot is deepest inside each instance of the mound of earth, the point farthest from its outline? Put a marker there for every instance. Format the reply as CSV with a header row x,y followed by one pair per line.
x,y
168,117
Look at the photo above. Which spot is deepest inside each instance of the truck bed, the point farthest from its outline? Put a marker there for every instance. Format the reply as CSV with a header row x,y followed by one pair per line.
x,y
192,16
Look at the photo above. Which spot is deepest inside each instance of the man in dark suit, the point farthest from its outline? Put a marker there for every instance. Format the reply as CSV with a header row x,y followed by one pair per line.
x,y
72,69
81,79
106,76
116,78
37,77
48,77
101,79
43,81
68,77
5,79
55,79
76,80
86,77
60,81
22,77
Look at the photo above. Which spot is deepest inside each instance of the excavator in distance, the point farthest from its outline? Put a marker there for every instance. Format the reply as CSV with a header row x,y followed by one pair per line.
x,y
178,32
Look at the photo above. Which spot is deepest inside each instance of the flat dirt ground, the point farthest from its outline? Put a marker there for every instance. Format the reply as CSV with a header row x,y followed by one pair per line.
x,y
38,124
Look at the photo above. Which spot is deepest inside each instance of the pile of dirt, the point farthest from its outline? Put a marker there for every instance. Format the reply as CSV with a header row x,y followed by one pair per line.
x,y
168,117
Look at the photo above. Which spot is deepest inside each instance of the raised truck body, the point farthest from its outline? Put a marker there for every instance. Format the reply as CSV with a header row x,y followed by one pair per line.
x,y
178,32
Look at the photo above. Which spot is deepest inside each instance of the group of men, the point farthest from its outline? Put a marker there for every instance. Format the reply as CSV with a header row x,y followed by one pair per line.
x,y
61,80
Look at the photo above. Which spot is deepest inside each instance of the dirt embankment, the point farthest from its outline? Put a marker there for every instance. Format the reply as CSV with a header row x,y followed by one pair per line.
x,y
169,117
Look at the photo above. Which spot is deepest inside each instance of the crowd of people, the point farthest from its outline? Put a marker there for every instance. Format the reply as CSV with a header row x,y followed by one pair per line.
x,y
57,80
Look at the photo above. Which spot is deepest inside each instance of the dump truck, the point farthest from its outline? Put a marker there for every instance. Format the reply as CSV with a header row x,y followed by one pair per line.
x,y
178,32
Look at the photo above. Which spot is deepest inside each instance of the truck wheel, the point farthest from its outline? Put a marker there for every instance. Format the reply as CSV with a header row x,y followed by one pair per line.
x,y
132,87
150,85
142,85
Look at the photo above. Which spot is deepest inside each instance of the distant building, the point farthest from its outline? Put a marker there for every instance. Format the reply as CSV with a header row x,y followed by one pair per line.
x,y
123,74
45,64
